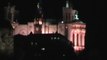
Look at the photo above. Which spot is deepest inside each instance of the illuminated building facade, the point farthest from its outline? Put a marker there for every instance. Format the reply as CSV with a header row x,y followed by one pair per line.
x,y
70,26
74,28
76,35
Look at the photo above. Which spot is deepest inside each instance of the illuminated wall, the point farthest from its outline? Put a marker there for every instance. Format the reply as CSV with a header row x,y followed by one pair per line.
x,y
49,28
26,29
45,28
31,27
61,28
21,29
77,35
76,31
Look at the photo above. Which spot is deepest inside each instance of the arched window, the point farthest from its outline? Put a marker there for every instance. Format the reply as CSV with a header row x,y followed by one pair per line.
x,y
73,37
77,39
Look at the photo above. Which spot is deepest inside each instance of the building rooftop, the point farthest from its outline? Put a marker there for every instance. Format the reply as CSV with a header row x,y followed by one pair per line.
x,y
45,45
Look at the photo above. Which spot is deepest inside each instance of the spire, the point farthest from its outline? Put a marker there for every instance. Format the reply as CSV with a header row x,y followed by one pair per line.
x,y
38,5
67,4
39,9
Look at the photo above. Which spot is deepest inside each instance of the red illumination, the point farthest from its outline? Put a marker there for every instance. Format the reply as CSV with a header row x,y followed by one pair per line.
x,y
40,22
78,37
71,38
75,39
83,40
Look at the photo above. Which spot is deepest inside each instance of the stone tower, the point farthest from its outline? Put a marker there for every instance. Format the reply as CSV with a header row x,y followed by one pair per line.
x,y
77,33
67,12
38,20
73,27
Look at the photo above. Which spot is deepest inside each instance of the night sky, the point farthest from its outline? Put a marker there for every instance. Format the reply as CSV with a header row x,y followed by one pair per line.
x,y
89,12
51,8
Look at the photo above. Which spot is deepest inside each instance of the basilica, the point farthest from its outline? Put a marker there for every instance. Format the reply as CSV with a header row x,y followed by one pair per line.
x,y
71,27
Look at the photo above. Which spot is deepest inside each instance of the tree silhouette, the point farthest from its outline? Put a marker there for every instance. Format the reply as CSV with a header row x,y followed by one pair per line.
x,y
6,41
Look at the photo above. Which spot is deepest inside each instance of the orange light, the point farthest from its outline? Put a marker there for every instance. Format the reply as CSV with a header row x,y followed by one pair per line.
x,y
40,22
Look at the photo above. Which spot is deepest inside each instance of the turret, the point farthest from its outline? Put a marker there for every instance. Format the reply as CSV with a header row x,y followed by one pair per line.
x,y
67,4
77,34
67,12
39,19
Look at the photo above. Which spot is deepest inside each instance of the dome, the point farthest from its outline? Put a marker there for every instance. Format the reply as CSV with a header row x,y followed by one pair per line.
x,y
77,22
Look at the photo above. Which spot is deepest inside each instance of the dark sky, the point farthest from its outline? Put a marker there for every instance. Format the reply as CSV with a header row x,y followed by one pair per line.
x,y
51,8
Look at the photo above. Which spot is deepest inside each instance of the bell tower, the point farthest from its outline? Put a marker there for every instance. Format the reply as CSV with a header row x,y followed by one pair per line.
x,y
38,20
67,12
77,33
